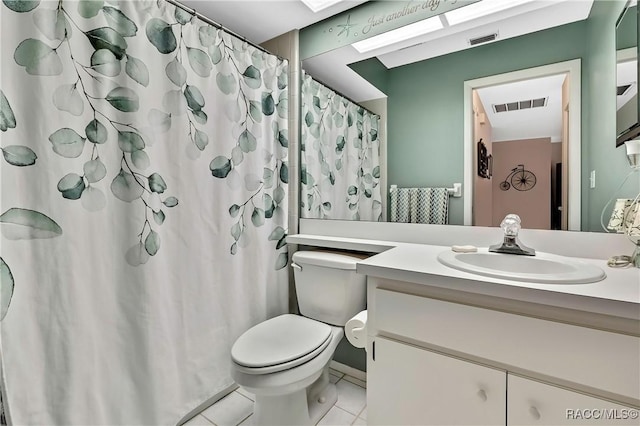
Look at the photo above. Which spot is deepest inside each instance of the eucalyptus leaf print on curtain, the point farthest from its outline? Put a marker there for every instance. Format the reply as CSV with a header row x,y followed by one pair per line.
x,y
340,164
143,208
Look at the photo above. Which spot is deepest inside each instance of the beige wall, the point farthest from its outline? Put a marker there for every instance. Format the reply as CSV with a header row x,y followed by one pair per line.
x,y
566,98
532,206
482,188
287,46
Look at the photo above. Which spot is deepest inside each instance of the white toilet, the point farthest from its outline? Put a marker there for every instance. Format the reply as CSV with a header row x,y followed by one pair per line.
x,y
284,361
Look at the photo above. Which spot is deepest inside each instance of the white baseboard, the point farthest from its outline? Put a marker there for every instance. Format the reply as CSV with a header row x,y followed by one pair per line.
x,y
350,371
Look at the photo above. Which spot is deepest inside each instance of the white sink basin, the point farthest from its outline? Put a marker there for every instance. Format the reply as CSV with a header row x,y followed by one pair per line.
x,y
542,268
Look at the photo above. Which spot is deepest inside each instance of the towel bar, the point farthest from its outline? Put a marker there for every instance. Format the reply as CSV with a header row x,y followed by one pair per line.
x,y
455,192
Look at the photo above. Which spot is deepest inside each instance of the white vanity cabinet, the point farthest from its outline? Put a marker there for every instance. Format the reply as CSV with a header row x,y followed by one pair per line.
x,y
535,403
436,358
442,391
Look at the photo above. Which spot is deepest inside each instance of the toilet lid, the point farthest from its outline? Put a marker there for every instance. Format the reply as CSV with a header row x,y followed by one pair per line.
x,y
279,340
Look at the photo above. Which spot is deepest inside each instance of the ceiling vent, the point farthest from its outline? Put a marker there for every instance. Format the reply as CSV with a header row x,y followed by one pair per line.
x,y
483,39
621,90
515,106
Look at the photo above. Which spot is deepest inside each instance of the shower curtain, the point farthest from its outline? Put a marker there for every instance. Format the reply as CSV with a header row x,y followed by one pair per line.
x,y
143,208
340,164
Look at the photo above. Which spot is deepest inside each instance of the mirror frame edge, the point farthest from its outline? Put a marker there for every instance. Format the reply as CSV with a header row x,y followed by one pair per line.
x,y
634,131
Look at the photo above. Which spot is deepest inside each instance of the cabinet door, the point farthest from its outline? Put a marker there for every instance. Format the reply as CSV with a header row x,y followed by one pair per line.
x,y
407,385
534,403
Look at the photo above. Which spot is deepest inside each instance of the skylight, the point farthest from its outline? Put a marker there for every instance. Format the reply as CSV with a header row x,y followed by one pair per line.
x,y
453,17
318,5
481,8
403,33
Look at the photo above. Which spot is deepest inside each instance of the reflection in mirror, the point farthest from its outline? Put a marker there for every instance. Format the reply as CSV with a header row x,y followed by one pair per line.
x,y
522,129
340,156
627,117
422,81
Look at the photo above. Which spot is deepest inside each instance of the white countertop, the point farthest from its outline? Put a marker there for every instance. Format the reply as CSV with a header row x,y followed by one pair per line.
x,y
617,295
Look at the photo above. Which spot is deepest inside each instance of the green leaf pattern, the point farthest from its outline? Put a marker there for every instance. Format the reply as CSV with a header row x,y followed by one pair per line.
x,y
21,6
38,58
16,155
7,118
19,155
106,90
21,224
340,162
25,224
96,96
100,88
251,95
6,288
189,98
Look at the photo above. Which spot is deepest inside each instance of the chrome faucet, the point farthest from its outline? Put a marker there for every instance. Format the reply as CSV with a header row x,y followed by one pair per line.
x,y
511,244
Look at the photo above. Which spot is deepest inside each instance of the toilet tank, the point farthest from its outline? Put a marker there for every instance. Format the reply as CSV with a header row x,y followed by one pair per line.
x,y
327,285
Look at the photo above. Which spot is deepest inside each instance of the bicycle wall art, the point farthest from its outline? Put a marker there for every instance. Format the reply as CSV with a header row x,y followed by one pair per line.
x,y
520,179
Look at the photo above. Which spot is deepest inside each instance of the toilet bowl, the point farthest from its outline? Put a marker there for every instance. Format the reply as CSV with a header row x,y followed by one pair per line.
x,y
284,361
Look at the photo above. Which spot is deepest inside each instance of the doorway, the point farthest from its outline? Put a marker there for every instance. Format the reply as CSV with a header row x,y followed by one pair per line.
x,y
520,125
531,186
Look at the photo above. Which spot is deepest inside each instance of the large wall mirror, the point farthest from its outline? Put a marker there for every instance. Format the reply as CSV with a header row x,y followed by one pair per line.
x,y
417,86
627,101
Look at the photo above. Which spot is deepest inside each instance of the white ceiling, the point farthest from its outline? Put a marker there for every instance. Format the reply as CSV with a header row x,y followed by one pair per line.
x,y
259,21
331,68
530,123
524,19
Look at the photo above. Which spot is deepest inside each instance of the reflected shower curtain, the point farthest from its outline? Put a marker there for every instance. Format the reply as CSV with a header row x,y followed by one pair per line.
x,y
340,164
143,208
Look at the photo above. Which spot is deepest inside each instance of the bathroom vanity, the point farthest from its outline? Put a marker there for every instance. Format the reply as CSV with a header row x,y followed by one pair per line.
x,y
444,350
451,347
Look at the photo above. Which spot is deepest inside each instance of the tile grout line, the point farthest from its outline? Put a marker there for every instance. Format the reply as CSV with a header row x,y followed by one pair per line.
x,y
245,418
207,419
338,408
244,396
340,376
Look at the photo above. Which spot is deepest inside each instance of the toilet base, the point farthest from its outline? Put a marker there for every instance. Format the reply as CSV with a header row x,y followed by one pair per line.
x,y
303,407
299,396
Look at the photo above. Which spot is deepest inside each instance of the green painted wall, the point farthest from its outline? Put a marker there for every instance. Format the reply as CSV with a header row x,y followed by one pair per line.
x,y
627,29
425,110
349,355
598,124
373,71
425,105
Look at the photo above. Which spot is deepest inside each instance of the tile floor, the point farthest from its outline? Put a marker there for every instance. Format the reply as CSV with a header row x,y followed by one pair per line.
x,y
236,408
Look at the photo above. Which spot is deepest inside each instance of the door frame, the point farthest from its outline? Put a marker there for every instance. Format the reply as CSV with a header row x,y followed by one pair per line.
x,y
573,69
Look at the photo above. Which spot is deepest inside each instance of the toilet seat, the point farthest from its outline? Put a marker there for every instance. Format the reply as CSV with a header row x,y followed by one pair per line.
x,y
279,344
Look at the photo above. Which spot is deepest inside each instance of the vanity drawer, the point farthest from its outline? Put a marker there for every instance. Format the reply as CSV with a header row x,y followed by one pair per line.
x,y
593,358
535,403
